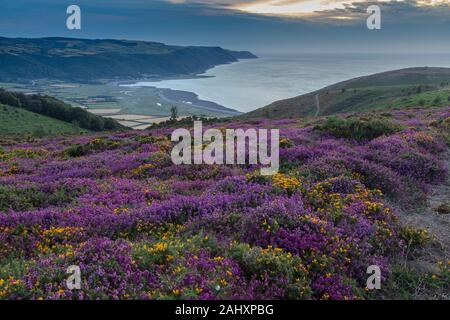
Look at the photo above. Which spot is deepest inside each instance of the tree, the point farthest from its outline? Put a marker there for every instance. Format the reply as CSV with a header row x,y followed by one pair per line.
x,y
173,113
9,98
419,89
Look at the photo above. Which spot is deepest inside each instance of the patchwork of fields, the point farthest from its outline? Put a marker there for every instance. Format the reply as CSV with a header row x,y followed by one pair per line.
x,y
108,99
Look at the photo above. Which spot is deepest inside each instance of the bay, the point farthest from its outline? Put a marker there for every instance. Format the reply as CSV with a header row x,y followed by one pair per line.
x,y
250,84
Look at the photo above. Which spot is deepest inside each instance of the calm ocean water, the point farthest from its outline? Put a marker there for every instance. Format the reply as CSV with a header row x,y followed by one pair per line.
x,y
251,84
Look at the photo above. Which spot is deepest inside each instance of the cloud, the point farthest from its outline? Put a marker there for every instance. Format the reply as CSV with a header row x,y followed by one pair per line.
x,y
325,10
393,12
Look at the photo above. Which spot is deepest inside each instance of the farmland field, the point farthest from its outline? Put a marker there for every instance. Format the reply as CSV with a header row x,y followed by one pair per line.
x,y
110,96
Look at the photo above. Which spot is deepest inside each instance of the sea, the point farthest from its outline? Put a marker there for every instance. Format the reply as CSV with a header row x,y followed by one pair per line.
x,y
250,84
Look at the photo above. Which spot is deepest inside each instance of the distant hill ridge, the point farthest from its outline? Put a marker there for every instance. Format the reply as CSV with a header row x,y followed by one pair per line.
x,y
410,87
71,59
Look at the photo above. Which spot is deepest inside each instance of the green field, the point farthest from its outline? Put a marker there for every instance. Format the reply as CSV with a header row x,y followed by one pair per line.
x,y
15,121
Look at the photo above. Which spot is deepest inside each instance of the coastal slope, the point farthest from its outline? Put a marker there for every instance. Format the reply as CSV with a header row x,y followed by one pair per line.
x,y
411,87
69,59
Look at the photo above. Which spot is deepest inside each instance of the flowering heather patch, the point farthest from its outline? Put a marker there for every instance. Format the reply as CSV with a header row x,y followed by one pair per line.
x,y
140,227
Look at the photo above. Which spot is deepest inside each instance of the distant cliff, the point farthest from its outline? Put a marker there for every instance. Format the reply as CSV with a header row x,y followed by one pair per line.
x,y
71,59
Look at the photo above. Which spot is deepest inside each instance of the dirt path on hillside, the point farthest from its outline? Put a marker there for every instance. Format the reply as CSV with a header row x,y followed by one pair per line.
x,y
437,224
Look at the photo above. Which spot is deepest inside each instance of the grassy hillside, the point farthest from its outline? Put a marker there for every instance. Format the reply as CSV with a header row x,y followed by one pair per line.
x,y
18,121
89,60
413,87
54,108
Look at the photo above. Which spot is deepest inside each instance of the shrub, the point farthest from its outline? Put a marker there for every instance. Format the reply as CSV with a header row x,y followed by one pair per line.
x,y
414,237
437,100
98,144
31,198
279,269
357,128
76,150
443,208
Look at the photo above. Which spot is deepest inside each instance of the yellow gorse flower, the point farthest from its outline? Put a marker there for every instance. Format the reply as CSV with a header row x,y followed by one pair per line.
x,y
143,168
285,182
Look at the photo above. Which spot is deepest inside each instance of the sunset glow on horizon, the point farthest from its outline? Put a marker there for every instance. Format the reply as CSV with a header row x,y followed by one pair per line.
x,y
304,8
291,8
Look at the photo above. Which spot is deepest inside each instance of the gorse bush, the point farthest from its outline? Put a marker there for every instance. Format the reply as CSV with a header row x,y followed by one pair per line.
x,y
414,237
98,144
357,128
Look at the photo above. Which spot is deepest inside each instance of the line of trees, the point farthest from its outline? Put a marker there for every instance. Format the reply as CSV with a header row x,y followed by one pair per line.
x,y
54,108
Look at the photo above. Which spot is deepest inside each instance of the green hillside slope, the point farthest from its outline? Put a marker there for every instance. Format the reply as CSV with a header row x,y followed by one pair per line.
x,y
412,87
54,108
16,121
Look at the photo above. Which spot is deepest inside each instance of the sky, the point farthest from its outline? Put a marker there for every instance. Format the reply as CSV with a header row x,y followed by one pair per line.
x,y
261,26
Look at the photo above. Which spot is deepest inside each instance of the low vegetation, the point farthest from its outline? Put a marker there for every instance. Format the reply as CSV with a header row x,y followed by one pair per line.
x,y
358,128
142,227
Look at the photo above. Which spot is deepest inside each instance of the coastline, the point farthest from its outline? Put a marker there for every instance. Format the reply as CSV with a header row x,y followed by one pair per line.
x,y
143,119
176,96
191,97
132,106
